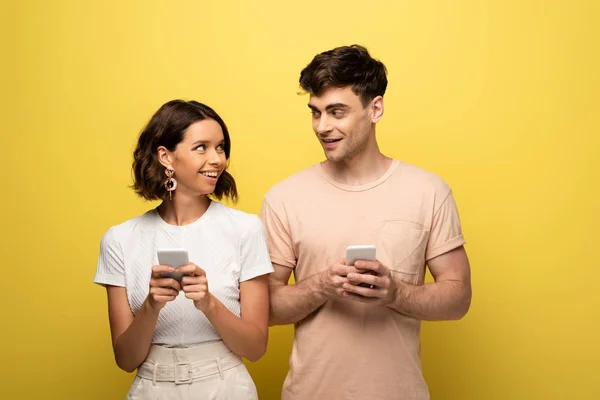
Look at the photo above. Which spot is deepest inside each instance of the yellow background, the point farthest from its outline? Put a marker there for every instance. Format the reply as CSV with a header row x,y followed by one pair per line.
x,y
500,98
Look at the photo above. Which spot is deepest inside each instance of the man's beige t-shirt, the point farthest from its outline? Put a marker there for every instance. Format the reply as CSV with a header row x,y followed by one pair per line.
x,y
347,349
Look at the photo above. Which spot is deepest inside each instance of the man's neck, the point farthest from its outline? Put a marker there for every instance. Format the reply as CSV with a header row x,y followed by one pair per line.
x,y
360,170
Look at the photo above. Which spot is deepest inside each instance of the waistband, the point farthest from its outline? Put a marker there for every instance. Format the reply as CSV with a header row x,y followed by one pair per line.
x,y
185,365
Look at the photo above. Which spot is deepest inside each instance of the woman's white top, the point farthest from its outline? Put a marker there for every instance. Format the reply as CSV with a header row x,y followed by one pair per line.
x,y
228,244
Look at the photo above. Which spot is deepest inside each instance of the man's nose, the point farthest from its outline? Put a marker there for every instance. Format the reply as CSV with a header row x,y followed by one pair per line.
x,y
323,126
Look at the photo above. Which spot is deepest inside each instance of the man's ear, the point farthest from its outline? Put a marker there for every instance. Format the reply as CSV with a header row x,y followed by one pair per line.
x,y
164,156
376,109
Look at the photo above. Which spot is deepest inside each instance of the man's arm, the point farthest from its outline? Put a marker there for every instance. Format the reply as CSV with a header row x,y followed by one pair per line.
x,y
289,304
292,303
449,297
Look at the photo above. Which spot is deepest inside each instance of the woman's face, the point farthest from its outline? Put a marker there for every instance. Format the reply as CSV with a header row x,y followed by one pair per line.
x,y
199,159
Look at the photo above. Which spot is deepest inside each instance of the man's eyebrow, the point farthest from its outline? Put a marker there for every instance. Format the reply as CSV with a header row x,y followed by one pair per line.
x,y
335,105
329,106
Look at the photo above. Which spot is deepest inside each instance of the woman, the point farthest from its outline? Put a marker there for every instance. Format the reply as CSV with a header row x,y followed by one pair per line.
x,y
186,333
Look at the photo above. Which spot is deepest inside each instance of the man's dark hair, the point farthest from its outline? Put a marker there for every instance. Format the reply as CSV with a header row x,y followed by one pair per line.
x,y
345,66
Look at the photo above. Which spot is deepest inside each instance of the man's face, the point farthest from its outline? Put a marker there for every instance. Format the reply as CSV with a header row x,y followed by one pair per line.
x,y
343,126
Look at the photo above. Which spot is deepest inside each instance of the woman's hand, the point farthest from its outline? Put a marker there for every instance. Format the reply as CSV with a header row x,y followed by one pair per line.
x,y
162,290
195,286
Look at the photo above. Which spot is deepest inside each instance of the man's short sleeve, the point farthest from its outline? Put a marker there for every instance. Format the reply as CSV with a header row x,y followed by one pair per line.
x,y
279,239
445,233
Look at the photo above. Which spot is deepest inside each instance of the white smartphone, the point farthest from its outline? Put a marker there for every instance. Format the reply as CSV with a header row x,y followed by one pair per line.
x,y
174,258
360,252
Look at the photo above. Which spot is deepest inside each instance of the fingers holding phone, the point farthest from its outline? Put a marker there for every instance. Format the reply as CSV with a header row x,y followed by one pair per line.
x,y
361,253
191,278
364,277
162,289
334,278
195,286
372,283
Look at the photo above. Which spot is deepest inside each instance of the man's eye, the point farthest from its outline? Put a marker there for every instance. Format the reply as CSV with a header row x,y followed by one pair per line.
x,y
337,113
315,114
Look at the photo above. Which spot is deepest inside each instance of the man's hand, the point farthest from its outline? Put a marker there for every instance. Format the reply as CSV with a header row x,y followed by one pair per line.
x,y
376,283
334,278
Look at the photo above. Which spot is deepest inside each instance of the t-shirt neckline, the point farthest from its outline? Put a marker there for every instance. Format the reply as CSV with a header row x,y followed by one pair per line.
x,y
164,224
358,188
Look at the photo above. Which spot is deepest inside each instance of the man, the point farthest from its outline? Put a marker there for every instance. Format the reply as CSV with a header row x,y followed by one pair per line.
x,y
357,328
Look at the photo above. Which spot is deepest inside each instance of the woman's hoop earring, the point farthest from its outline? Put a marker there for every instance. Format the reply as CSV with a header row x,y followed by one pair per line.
x,y
170,183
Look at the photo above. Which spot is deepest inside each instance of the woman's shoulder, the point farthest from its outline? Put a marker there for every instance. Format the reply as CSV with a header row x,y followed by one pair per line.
x,y
238,218
124,229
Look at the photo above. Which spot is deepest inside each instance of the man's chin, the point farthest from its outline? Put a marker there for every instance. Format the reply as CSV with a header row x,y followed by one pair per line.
x,y
333,156
334,159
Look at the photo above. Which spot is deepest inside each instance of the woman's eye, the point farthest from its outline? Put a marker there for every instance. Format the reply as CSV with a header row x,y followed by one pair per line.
x,y
221,147
201,148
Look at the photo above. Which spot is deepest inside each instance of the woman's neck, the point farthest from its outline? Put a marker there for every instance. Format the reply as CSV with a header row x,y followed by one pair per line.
x,y
183,210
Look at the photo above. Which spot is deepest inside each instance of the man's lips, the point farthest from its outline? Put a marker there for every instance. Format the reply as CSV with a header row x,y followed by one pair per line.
x,y
330,143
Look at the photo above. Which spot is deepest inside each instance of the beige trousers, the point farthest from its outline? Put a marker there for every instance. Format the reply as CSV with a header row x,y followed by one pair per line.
x,y
208,371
